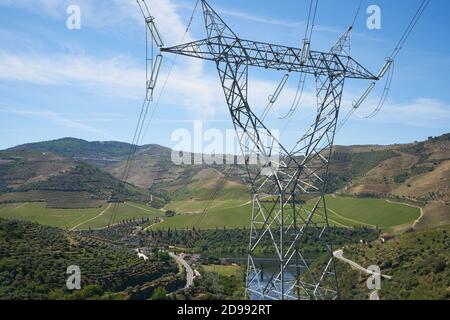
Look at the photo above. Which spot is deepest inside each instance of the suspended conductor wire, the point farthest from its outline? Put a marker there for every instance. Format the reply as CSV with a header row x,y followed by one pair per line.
x,y
410,28
171,69
137,139
389,66
142,118
311,18
384,95
131,154
302,80
298,97
357,13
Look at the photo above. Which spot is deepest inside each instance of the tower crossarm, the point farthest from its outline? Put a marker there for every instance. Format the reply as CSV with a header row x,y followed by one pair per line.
x,y
271,56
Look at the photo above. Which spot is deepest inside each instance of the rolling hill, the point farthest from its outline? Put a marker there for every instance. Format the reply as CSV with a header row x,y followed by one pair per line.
x,y
416,173
418,262
99,153
419,173
29,175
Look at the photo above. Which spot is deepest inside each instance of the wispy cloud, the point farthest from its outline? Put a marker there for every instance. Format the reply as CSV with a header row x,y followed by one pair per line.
x,y
109,13
190,85
263,19
117,75
420,112
58,119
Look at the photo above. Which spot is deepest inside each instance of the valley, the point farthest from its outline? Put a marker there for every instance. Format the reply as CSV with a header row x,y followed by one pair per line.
x,y
70,188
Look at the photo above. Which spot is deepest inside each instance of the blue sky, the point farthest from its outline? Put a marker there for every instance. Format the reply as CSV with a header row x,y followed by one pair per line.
x,y
89,83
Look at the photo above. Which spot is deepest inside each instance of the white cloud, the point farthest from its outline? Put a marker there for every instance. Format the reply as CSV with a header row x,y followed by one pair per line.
x,y
267,20
117,75
421,112
58,119
189,86
109,13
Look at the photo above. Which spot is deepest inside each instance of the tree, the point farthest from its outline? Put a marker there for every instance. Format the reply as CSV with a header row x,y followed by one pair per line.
x,y
159,293
170,213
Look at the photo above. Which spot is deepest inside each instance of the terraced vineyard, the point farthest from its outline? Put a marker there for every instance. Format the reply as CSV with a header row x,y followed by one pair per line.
x,y
34,260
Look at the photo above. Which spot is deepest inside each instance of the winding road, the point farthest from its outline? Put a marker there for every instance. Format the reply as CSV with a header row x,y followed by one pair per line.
x,y
339,254
187,267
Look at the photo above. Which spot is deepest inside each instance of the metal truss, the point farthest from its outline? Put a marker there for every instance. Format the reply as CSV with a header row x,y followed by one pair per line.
x,y
283,181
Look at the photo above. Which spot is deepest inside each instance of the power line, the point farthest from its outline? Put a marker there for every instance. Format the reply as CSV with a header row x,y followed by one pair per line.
x,y
410,28
302,79
388,67
138,136
171,69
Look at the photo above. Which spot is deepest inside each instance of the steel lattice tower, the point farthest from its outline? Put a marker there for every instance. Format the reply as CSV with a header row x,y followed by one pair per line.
x,y
281,216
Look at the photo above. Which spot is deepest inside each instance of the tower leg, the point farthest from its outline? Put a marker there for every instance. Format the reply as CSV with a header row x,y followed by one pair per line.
x,y
289,218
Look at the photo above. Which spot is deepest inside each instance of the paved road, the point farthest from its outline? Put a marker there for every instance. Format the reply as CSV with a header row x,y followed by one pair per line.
x,y
374,295
339,254
189,271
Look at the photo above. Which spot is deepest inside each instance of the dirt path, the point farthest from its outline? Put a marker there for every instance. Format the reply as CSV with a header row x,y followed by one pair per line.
x,y
137,207
411,206
352,220
22,205
89,220
162,220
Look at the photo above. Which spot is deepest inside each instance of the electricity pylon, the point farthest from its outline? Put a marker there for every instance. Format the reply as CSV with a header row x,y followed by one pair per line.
x,y
282,216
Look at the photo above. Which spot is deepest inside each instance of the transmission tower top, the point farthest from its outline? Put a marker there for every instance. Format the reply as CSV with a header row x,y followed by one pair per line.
x,y
223,45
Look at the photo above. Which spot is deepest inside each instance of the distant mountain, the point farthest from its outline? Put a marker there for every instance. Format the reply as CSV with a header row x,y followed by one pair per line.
x,y
418,172
23,171
93,152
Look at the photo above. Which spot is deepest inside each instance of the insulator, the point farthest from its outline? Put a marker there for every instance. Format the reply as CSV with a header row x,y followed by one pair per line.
x,y
280,87
154,31
155,72
385,68
364,96
305,52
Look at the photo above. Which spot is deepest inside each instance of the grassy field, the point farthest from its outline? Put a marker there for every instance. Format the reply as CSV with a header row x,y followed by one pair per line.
x,y
371,212
75,218
54,199
343,212
227,271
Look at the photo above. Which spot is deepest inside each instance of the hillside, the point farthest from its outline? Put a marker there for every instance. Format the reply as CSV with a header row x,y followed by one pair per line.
x,y
22,172
417,261
96,152
418,173
34,260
